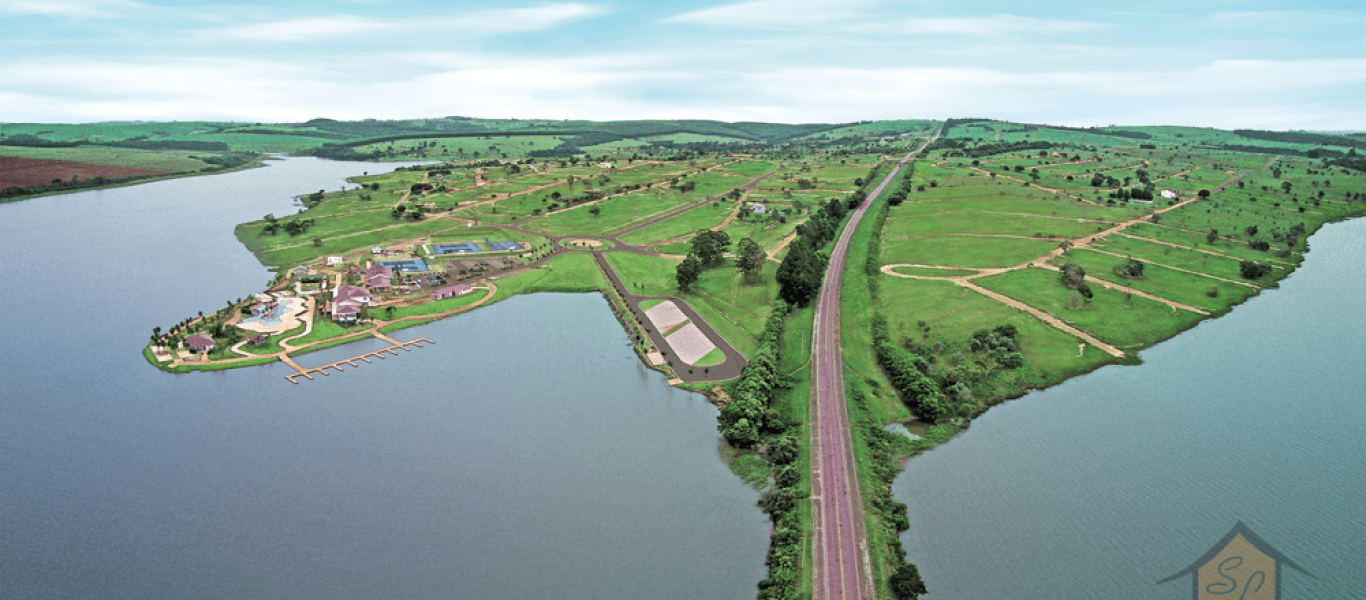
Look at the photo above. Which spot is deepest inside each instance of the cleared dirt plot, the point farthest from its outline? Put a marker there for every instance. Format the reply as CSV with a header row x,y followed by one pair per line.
x,y
1186,288
1122,320
989,224
689,343
665,315
23,172
973,252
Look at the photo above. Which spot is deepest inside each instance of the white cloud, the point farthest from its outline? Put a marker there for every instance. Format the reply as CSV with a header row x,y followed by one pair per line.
x,y
306,28
80,9
982,26
1229,94
772,13
472,24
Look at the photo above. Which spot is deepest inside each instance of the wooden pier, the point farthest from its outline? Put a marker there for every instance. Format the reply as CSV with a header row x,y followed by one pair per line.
x,y
392,350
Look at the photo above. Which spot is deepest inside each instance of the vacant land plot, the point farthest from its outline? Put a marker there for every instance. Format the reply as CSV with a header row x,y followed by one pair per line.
x,y
1122,320
645,275
1144,231
702,217
1186,288
613,213
1202,262
953,313
24,172
158,160
990,224
964,251
751,168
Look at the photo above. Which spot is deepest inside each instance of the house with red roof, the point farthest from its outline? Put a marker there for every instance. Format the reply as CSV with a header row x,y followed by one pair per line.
x,y
459,289
199,343
347,301
378,277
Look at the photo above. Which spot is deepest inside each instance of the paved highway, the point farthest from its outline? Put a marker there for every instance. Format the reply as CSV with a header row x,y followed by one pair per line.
x,y
842,569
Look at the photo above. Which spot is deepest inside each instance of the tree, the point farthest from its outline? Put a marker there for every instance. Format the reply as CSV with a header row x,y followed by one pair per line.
x,y
1072,275
1253,270
710,246
1203,194
688,272
906,582
799,276
1212,236
1285,185
1130,269
594,210
751,259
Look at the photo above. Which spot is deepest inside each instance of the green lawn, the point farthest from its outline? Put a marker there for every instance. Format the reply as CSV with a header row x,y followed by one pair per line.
x,y
1127,322
953,313
702,217
964,251
990,223
645,275
1166,283
1196,240
324,328
574,272
1201,262
615,213
431,308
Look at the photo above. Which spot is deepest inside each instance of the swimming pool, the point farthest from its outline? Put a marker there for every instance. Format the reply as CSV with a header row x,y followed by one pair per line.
x,y
279,318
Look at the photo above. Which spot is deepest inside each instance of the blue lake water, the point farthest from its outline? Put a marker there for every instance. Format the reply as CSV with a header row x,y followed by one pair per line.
x,y
524,455
1104,485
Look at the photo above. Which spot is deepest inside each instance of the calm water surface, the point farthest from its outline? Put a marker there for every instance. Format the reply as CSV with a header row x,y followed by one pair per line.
x,y
1102,486
526,454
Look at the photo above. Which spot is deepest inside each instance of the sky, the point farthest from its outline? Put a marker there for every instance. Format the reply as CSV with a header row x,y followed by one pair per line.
x,y
1245,64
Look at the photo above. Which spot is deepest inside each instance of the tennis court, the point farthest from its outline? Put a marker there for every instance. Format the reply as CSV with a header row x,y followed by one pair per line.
x,y
405,266
460,248
500,246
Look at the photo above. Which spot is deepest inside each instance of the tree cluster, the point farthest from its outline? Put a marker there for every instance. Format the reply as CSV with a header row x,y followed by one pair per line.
x,y
1253,269
750,413
908,373
708,249
799,276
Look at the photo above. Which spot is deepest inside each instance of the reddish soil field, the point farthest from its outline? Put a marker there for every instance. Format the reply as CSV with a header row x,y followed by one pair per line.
x,y
31,171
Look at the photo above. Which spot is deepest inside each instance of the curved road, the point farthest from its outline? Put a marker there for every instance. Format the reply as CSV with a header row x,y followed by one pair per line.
x,y
842,567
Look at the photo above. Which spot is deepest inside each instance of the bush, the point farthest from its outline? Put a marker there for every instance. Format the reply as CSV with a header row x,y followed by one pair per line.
x,y
1253,269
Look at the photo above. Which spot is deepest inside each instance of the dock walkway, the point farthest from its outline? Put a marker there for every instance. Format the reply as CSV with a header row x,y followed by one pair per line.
x,y
393,349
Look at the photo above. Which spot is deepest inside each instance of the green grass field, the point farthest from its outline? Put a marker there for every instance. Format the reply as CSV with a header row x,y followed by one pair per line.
x,y
615,213
1127,322
973,252
703,217
1177,286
